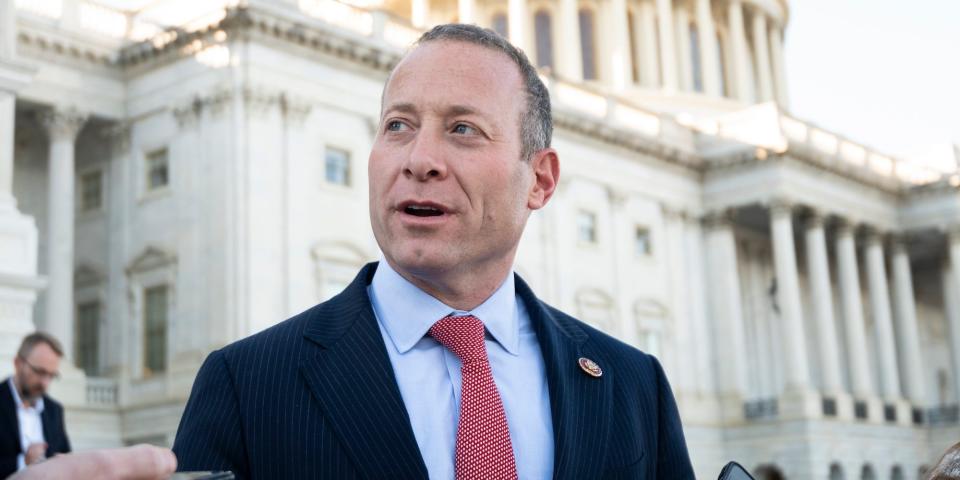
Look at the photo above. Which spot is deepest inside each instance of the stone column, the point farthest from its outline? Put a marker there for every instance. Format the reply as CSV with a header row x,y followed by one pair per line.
x,y
682,34
818,269
788,294
953,299
727,310
880,304
694,265
668,52
418,12
517,24
951,304
8,28
621,68
569,55
742,78
645,29
907,335
674,223
709,58
8,102
848,273
62,127
778,67
467,11
762,60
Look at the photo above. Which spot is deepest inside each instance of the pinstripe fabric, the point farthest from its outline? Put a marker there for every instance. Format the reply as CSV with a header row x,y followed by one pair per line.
x,y
315,397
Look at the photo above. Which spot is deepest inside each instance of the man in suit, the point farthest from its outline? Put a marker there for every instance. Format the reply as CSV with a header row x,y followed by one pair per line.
x,y
31,423
438,361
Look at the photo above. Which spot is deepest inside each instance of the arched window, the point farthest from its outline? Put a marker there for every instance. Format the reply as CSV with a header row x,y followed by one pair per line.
x,y
587,47
696,60
544,32
500,24
896,473
836,472
866,473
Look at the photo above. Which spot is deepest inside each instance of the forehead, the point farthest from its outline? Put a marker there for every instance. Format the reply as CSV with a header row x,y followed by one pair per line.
x,y
447,72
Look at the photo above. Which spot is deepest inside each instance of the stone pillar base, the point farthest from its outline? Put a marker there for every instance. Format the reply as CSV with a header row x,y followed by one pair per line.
x,y
904,412
19,283
874,410
800,404
698,409
844,406
731,409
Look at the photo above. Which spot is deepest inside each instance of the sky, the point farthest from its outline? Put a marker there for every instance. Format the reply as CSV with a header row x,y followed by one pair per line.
x,y
884,73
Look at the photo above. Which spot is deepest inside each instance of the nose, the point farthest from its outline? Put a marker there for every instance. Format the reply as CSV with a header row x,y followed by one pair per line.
x,y
425,159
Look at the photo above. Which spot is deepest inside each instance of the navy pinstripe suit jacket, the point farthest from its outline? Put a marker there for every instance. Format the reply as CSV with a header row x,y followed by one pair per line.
x,y
316,397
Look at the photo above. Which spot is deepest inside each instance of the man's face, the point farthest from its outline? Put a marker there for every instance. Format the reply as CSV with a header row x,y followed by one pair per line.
x,y
36,371
448,189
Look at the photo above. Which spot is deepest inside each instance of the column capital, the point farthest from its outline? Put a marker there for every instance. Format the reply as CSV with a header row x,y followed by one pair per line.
x,y
781,206
720,218
62,123
814,218
618,198
873,235
118,135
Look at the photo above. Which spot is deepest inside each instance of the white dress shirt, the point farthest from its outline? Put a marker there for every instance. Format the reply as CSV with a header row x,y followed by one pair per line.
x,y
429,375
31,427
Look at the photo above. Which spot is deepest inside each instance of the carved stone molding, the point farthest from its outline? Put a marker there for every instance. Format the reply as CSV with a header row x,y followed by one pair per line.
x,y
118,135
258,101
62,124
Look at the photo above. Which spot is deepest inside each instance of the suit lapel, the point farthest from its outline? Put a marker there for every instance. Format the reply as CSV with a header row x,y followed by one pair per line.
x,y
8,413
352,378
580,405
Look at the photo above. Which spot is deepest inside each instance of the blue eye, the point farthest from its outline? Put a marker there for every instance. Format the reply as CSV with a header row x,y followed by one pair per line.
x,y
464,129
395,125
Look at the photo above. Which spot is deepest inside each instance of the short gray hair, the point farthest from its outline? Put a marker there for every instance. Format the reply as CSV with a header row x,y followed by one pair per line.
x,y
536,122
36,338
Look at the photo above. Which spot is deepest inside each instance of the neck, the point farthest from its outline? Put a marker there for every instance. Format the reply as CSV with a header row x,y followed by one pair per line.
x,y
462,290
26,400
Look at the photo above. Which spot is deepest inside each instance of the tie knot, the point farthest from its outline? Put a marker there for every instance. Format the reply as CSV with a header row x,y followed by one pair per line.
x,y
463,336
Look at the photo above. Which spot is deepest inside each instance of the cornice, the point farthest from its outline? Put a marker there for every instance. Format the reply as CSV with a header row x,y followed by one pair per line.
x,y
810,157
606,133
249,23
258,101
39,36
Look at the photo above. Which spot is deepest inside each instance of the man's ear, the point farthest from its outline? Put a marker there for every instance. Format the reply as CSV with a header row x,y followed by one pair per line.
x,y
546,174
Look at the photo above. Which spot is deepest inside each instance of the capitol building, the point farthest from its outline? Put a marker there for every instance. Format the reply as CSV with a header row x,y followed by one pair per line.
x,y
179,174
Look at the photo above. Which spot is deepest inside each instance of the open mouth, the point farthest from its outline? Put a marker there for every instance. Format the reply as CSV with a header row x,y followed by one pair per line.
x,y
422,211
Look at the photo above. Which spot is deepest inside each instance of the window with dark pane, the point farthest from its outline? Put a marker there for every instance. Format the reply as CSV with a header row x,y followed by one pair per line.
x,y
500,25
86,338
91,191
641,241
544,33
155,306
337,166
587,227
158,169
587,45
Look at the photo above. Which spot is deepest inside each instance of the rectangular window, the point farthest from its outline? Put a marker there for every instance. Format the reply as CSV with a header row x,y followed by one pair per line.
x,y
155,302
86,338
91,191
641,241
587,227
158,169
337,166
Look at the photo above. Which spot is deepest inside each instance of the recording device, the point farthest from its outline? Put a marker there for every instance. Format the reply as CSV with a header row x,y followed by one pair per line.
x,y
734,471
202,476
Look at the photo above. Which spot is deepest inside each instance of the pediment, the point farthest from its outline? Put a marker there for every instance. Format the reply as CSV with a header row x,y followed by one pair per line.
x,y
152,258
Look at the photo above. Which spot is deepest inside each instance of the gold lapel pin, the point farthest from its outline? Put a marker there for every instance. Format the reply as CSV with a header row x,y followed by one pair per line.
x,y
590,367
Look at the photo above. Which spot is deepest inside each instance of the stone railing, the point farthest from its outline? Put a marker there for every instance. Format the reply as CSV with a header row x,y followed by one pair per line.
x,y
101,391
761,409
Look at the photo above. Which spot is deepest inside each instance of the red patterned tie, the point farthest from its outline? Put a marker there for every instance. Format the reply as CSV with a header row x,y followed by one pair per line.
x,y
483,439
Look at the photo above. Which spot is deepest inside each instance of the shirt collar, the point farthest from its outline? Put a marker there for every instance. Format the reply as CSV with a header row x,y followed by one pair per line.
x,y
407,313
19,403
